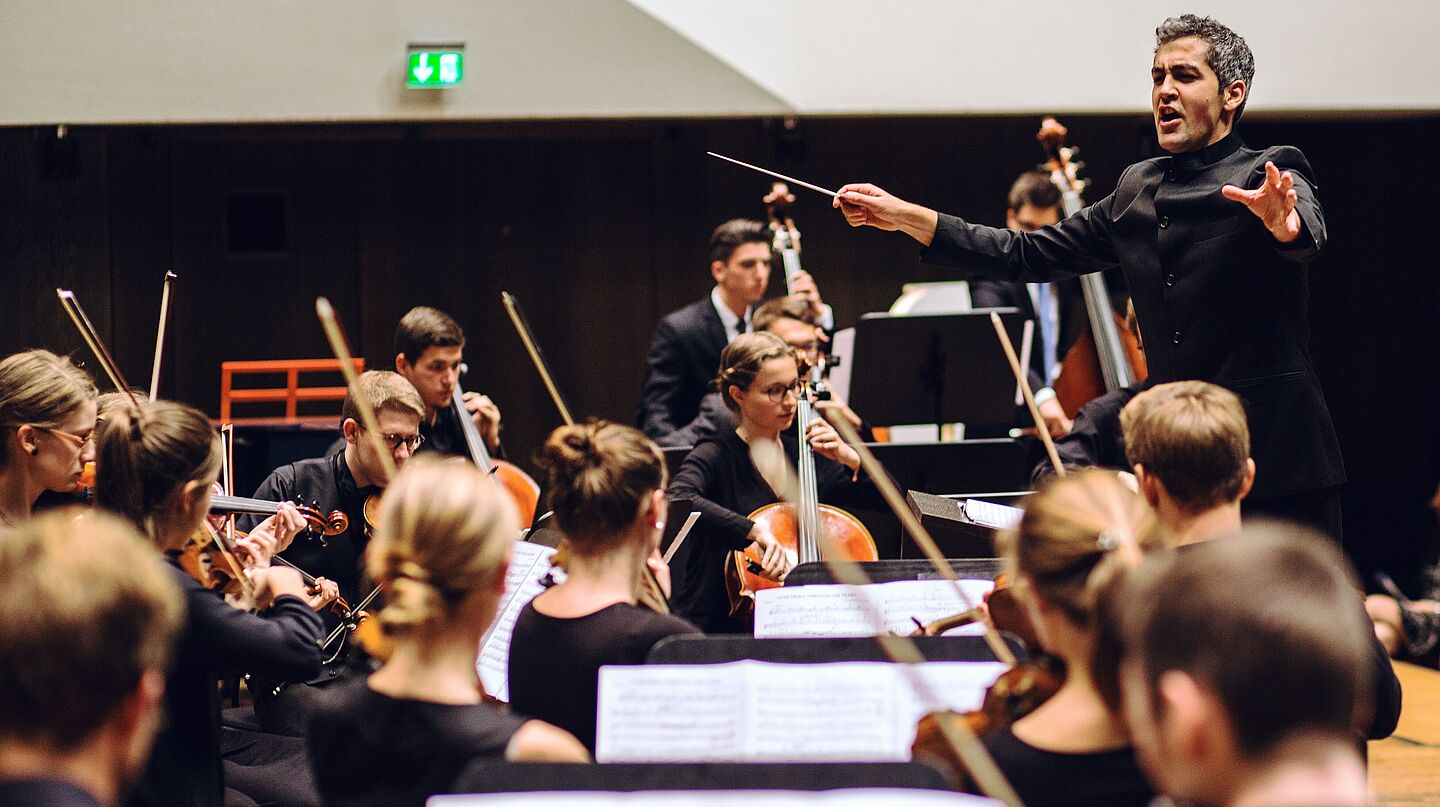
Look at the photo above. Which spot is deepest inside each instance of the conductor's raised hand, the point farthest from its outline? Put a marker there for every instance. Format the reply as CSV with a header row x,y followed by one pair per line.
x,y
866,205
1273,203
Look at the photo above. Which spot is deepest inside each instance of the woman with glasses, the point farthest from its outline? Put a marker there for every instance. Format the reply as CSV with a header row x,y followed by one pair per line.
x,y
47,412
759,380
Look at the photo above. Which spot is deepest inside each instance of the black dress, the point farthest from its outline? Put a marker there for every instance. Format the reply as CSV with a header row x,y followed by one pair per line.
x,y
219,641
1053,779
371,749
44,793
722,483
555,662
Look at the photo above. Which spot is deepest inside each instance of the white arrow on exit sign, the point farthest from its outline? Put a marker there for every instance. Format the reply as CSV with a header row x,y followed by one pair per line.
x,y
423,71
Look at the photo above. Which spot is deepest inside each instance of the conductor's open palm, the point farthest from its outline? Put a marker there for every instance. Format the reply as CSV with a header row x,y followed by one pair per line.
x,y
1273,202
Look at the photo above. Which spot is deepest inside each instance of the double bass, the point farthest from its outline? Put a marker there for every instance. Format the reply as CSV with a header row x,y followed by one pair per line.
x,y
1107,355
514,485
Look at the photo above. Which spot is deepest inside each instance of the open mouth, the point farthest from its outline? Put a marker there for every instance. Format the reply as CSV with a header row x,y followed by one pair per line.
x,y
1169,119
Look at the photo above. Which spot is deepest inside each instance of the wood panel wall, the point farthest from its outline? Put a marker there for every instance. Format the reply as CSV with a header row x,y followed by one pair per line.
x,y
600,228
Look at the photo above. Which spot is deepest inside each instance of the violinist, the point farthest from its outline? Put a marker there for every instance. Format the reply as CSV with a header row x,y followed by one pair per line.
x,y
1214,239
606,485
1248,702
47,412
78,724
759,381
1190,445
686,345
1079,535
441,548
429,348
340,481
156,462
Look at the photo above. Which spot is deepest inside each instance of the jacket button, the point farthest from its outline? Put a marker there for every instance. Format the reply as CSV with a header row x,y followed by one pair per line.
x,y
1170,280
1170,177
1176,337
1164,222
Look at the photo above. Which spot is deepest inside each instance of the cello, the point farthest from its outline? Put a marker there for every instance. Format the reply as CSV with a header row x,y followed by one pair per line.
x,y
1107,355
514,484
797,527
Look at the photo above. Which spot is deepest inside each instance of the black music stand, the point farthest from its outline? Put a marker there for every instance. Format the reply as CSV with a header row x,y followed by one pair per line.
x,y
483,776
935,368
890,571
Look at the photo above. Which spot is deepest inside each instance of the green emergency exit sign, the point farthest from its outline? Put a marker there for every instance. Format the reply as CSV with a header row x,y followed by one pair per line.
x,y
435,69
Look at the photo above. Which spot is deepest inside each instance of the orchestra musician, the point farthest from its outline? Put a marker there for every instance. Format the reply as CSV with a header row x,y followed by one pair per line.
x,y
1248,701
791,319
1079,537
81,711
1034,202
341,481
1190,445
606,486
441,548
156,462
686,345
760,382
47,412
429,349
1214,241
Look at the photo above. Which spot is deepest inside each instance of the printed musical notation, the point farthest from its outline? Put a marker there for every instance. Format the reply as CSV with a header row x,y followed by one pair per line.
x,y
836,610
528,565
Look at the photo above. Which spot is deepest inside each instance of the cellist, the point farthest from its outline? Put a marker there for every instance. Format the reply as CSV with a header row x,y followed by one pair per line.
x,y
429,348
759,381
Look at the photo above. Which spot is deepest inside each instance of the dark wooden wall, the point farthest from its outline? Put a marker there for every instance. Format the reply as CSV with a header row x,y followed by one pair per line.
x,y
600,228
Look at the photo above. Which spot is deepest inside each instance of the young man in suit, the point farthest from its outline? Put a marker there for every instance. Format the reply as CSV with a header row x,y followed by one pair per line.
x,y
685,348
1214,240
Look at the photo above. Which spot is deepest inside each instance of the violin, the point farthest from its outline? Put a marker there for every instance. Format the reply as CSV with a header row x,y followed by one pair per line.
x,y
1107,356
320,524
797,527
514,485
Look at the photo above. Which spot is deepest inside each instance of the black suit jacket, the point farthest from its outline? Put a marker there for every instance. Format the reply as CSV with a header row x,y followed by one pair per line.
x,y
684,358
1217,298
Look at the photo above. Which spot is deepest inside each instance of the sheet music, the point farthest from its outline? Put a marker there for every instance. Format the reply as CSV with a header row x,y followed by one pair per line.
x,y
857,797
760,711
528,565
837,610
989,514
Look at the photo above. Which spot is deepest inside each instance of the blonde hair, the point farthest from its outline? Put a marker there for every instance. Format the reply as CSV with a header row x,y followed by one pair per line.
x,y
443,532
1079,535
742,360
146,455
86,607
597,475
39,388
1193,437
385,390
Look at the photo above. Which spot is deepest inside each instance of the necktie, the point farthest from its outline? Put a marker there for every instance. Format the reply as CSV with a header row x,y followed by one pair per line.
x,y
1049,325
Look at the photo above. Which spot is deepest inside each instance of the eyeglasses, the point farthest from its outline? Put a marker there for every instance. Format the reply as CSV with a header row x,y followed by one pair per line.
x,y
777,393
410,441
80,442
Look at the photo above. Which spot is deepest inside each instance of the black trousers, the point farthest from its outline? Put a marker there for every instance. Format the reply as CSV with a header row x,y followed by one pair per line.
x,y
272,770
1319,509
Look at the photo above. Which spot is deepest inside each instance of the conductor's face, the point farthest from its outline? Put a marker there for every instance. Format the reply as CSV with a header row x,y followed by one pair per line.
x,y
744,278
1190,107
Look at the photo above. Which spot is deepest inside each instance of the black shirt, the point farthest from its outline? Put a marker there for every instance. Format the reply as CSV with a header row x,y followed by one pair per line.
x,y
1095,439
446,436
219,641
1217,298
722,483
44,793
371,749
1054,779
555,662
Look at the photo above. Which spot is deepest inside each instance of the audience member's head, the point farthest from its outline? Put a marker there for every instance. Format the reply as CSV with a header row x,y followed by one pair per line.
x,y
88,622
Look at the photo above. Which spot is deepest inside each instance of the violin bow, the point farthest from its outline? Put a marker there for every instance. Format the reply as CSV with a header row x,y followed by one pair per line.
x,y
72,307
903,650
522,327
338,345
1029,396
170,278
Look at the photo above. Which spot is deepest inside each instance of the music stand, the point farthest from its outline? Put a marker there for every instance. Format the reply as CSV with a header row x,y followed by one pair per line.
x,y
489,776
935,368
